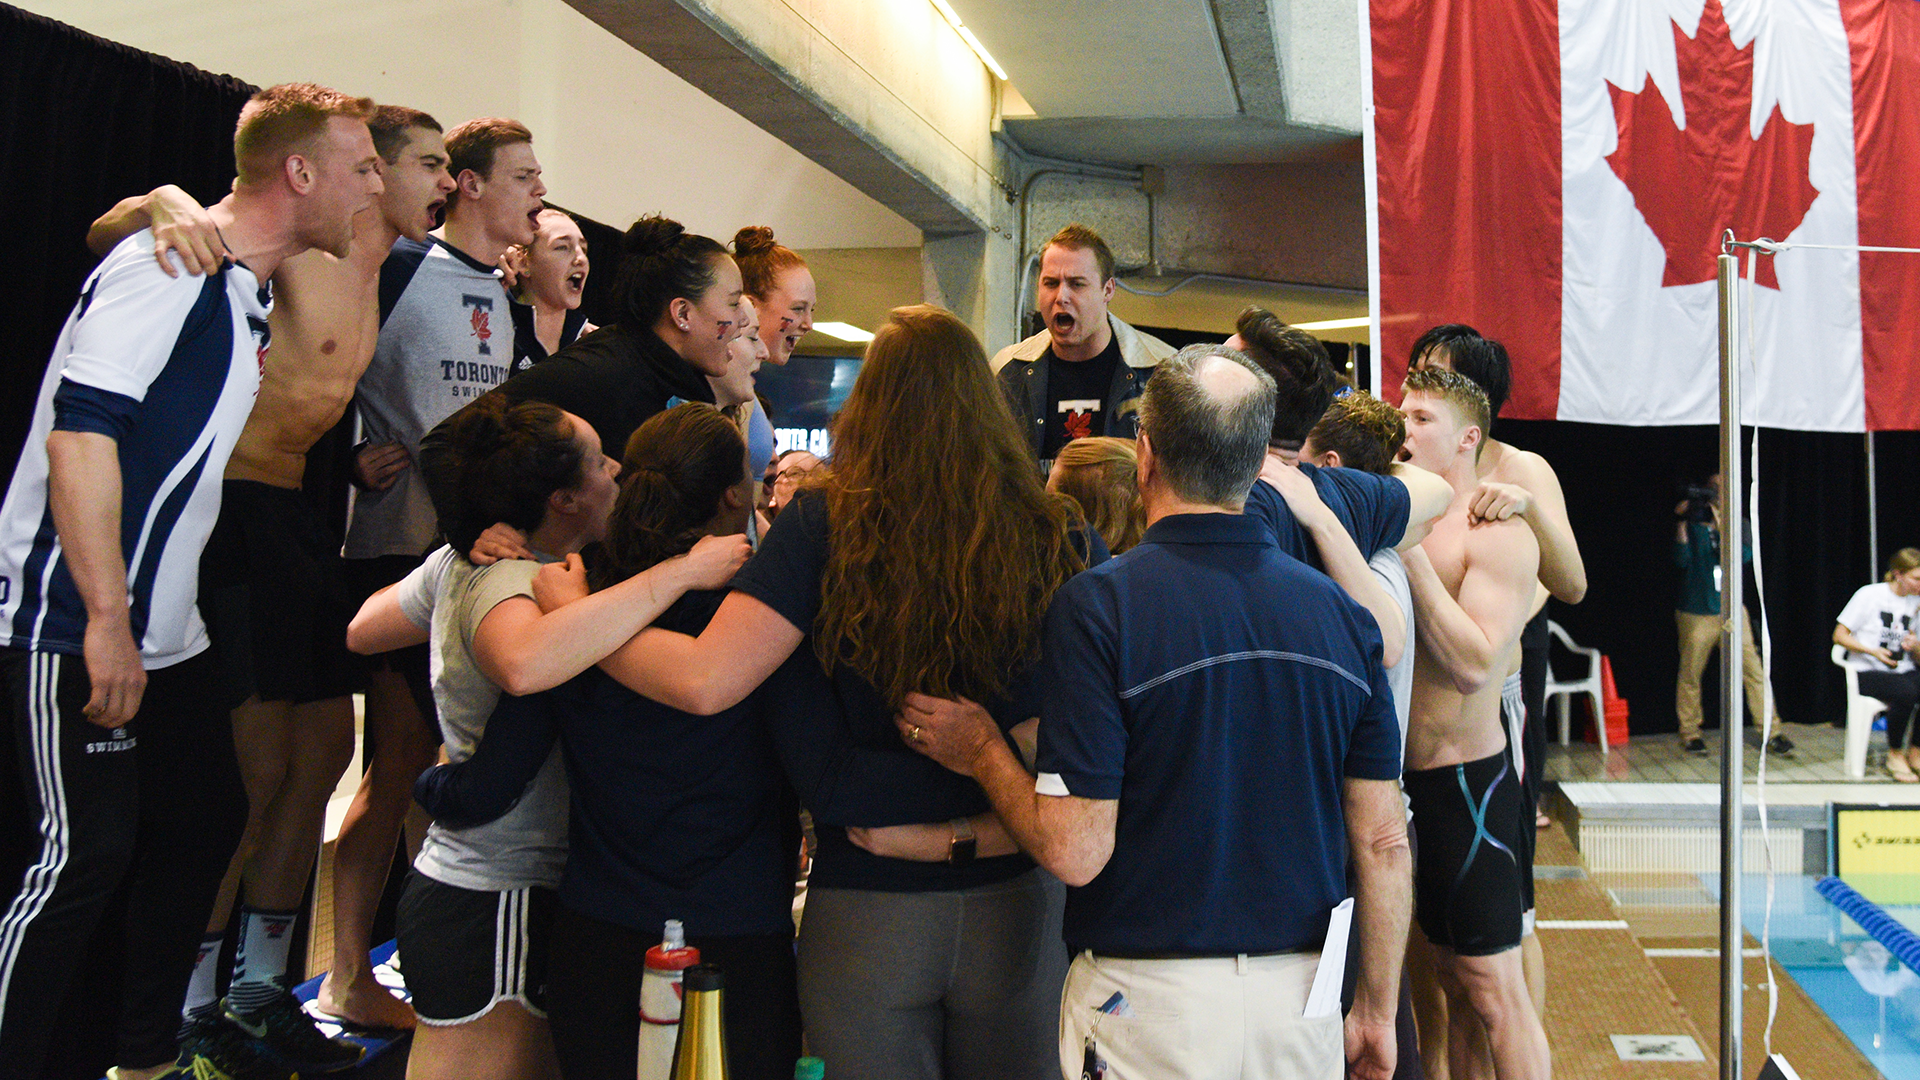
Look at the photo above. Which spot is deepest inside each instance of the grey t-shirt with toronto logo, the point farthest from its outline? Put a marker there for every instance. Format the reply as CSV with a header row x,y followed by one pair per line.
x,y
445,338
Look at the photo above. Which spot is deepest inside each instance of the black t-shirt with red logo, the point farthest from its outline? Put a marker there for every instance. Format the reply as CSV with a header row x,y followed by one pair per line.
x,y
1078,390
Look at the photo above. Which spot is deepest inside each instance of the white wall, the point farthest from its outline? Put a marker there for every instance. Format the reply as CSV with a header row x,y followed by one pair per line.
x,y
618,135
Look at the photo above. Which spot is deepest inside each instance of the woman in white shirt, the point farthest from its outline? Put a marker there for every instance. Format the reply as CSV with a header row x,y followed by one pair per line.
x,y
1877,629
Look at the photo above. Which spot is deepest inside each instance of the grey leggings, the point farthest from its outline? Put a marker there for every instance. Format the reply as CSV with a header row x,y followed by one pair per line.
x,y
925,986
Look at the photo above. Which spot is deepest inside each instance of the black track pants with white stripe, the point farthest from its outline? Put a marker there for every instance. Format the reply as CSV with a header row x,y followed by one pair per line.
x,y
157,806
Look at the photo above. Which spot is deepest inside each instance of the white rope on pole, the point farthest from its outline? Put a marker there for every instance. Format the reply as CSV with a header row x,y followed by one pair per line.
x,y
1775,246
1736,326
1766,671
1732,776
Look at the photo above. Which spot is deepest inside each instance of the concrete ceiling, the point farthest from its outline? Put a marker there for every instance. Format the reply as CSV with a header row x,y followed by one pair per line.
x,y
1177,82
1109,58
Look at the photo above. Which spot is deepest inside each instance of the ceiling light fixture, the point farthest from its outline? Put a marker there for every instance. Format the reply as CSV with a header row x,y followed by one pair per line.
x,y
1332,324
843,331
966,35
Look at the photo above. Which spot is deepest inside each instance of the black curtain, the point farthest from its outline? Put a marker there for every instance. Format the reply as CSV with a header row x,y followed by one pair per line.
x,y
85,122
1622,485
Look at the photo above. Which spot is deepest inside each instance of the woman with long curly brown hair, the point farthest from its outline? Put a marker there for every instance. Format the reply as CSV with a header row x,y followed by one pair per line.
x,y
922,559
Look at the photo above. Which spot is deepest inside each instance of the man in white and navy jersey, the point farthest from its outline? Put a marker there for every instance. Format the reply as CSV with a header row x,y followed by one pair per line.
x,y
276,602
126,747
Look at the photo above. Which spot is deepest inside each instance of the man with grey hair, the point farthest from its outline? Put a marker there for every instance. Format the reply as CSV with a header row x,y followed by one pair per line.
x,y
1216,738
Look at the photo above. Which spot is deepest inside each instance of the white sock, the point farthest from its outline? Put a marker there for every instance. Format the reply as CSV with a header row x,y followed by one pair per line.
x,y
260,965
203,991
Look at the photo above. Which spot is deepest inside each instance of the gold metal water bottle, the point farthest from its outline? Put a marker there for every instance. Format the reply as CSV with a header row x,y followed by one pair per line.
x,y
701,1052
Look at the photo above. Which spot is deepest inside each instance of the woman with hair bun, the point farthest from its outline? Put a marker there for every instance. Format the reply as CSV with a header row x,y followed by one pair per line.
x,y
474,920
778,282
675,816
676,308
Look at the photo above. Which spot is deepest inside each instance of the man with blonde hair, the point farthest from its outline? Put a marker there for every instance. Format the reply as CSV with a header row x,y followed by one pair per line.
x,y
119,707
1473,583
279,604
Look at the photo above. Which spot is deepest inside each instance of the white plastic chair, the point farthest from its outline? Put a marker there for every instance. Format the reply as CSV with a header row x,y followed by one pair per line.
x,y
1565,689
1861,709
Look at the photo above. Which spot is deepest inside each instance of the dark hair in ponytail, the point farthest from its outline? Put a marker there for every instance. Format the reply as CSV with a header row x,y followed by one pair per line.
x,y
501,463
677,466
659,261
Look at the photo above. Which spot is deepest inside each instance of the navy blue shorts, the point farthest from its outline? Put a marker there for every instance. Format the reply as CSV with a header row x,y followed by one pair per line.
x,y
1467,887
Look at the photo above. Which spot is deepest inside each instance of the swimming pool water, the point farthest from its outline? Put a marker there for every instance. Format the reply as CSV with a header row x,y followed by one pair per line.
x,y
1871,996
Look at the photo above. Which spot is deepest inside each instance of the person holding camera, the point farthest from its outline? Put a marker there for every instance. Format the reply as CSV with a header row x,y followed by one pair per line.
x,y
1696,549
1877,629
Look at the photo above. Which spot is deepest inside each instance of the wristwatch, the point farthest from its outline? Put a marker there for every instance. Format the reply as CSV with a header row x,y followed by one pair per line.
x,y
960,852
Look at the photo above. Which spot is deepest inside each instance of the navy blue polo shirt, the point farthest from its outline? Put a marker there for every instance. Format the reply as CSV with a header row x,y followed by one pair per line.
x,y
1372,507
1221,690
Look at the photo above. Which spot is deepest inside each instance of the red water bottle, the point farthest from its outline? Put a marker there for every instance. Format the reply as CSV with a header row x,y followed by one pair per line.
x,y
660,998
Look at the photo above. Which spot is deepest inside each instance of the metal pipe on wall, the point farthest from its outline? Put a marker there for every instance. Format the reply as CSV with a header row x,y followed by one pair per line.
x,y
1083,170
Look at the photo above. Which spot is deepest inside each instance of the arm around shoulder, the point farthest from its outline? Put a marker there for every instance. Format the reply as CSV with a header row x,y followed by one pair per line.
x,y
742,645
1562,570
179,224
1427,498
381,625
127,217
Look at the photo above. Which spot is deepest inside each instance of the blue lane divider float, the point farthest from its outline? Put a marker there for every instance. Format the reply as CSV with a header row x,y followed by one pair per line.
x,y
1882,927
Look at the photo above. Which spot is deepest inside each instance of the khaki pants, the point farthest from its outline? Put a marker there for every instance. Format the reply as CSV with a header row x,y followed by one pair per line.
x,y
1699,637
1201,1019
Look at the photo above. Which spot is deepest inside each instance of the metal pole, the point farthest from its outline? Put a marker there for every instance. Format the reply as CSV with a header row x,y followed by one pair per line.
x,y
1732,770
1873,514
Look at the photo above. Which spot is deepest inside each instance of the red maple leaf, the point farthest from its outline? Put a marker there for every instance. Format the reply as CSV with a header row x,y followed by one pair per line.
x,y
1079,424
1694,184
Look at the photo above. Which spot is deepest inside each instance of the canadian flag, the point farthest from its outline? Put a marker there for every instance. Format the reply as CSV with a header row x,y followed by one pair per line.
x,y
1559,175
